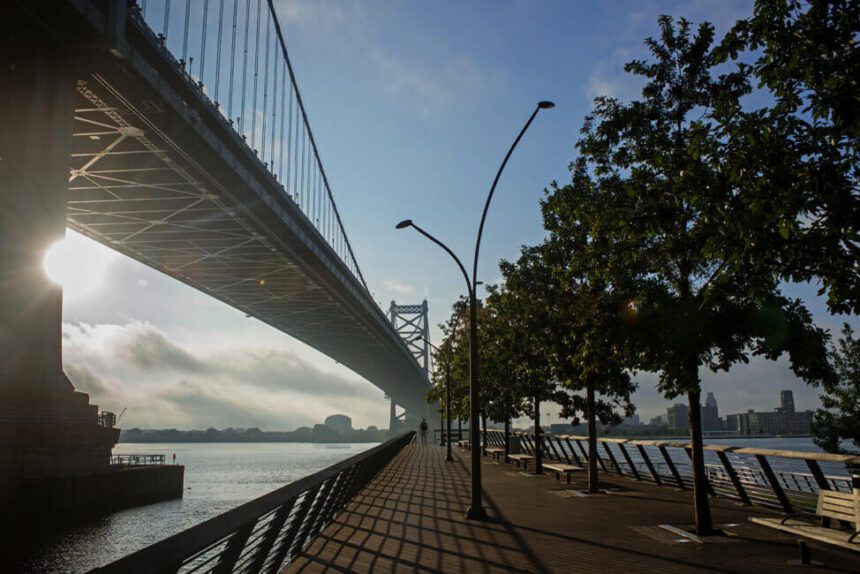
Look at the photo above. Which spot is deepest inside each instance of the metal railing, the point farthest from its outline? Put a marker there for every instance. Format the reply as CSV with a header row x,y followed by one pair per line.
x,y
781,479
136,459
267,533
233,54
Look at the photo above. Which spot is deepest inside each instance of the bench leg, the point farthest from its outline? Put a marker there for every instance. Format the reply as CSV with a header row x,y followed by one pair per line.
x,y
568,478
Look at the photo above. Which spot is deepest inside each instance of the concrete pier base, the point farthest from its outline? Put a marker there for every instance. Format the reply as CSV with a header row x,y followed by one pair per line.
x,y
47,429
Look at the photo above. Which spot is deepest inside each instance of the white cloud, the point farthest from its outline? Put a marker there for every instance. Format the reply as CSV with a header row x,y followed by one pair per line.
x,y
608,78
424,87
325,13
399,288
167,385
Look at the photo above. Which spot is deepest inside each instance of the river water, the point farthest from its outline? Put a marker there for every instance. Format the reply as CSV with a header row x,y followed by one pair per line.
x,y
218,477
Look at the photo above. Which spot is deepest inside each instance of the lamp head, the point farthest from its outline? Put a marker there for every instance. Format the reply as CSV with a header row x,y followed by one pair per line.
x,y
545,105
404,224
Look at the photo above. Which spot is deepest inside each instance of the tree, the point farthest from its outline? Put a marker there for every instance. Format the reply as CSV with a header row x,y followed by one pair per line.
x,y
797,159
523,304
663,199
502,400
840,417
453,356
590,301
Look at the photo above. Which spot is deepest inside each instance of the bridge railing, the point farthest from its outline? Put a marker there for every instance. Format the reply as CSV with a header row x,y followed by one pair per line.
x,y
782,479
119,460
267,533
233,52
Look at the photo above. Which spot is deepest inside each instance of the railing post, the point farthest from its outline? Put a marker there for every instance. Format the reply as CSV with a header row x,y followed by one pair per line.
x,y
774,483
561,450
272,531
817,474
650,466
689,452
678,480
292,529
629,460
231,553
612,459
733,476
573,452
583,451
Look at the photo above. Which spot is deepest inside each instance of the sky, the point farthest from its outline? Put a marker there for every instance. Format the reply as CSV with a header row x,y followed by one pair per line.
x,y
413,106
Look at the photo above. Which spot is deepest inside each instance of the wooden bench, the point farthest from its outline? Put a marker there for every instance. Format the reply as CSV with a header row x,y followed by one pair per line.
x,y
496,452
521,460
832,505
560,468
463,444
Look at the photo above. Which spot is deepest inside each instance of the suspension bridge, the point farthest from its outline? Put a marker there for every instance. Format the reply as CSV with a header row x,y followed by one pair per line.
x,y
174,133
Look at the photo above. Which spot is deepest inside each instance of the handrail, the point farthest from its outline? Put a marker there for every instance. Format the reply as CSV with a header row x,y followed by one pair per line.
x,y
266,533
801,455
760,476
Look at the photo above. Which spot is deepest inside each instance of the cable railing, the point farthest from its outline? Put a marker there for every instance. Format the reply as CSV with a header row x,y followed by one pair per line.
x,y
123,460
267,533
781,479
233,53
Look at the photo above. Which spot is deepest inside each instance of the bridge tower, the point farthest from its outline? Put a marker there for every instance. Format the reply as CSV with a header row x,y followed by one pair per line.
x,y
410,322
46,427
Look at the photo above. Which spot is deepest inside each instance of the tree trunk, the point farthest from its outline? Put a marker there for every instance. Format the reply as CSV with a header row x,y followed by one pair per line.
x,y
507,434
459,428
538,439
593,480
484,436
701,504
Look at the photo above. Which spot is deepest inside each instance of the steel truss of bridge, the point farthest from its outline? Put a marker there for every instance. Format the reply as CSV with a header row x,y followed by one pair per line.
x,y
159,173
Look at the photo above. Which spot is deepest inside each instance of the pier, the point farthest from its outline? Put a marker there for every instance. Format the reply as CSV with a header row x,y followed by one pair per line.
x,y
410,518
401,506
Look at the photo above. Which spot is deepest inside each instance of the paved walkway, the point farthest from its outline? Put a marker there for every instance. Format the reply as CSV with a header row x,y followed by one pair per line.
x,y
410,518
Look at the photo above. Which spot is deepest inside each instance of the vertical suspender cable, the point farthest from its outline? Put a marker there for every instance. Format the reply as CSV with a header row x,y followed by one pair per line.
x,y
166,24
313,143
232,60
290,187
283,110
218,51
203,40
302,167
245,65
256,73
274,113
185,37
265,90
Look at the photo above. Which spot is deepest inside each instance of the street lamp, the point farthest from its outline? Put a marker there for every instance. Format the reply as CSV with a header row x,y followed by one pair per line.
x,y
476,510
448,456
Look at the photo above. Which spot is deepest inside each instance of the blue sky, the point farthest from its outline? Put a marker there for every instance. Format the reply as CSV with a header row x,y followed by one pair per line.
x,y
413,105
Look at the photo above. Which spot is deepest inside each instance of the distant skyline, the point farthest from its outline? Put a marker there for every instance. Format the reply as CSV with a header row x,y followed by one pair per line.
x,y
413,106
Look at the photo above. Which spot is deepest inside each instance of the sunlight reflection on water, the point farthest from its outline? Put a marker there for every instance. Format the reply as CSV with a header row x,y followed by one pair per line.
x,y
218,477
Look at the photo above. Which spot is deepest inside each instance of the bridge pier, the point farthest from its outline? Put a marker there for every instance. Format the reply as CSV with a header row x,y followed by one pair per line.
x,y
46,427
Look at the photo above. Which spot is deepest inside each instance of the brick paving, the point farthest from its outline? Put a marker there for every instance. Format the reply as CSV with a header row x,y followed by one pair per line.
x,y
411,519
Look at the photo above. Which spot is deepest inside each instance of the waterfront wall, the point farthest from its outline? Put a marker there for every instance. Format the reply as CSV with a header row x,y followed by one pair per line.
x,y
105,491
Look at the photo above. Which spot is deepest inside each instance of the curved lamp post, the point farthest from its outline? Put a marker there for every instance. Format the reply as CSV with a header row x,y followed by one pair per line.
x,y
476,510
448,456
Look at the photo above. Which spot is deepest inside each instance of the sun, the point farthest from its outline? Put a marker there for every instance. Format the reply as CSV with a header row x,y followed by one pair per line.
x,y
78,264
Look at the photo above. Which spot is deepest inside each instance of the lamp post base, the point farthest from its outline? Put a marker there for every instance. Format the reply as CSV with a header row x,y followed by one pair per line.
x,y
476,513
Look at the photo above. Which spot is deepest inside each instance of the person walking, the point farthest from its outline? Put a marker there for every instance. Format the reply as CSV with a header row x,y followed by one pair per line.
x,y
423,428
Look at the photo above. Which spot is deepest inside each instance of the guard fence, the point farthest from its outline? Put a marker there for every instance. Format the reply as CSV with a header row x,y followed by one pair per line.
x,y
782,479
267,533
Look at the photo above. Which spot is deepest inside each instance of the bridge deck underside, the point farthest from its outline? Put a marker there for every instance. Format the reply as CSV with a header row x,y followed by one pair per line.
x,y
134,189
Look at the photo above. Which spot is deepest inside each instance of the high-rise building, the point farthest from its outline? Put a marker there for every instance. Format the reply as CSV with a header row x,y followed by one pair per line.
x,y
710,414
677,417
782,420
786,402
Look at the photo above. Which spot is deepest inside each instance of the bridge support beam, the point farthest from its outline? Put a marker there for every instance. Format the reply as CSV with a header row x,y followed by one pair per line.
x,y
46,428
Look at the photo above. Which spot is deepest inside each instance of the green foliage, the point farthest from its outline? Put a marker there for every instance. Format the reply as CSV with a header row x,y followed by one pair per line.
x,y
661,213
840,417
452,363
797,158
